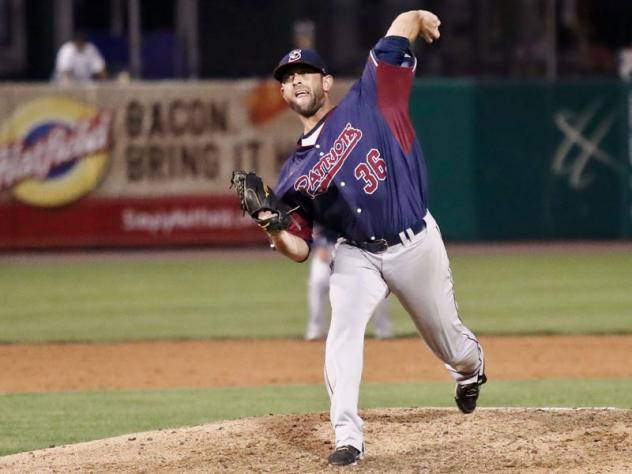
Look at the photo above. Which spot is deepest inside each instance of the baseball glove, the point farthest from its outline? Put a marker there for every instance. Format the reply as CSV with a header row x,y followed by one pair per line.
x,y
255,196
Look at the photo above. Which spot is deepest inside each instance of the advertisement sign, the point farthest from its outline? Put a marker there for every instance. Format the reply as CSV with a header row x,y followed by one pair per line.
x,y
54,150
136,165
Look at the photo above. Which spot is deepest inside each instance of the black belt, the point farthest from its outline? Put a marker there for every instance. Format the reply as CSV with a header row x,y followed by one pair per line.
x,y
380,245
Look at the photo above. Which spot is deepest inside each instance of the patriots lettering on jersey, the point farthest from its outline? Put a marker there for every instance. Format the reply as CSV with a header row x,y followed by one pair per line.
x,y
317,180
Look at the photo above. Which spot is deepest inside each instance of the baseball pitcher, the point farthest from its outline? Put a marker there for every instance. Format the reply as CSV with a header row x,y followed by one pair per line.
x,y
359,170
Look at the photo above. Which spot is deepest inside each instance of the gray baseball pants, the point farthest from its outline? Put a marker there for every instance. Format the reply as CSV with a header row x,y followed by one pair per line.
x,y
418,272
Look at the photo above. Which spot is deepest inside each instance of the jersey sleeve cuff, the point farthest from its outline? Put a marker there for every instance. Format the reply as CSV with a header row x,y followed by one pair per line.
x,y
394,50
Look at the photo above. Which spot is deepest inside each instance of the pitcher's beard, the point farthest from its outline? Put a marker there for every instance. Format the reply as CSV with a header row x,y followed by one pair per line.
x,y
309,109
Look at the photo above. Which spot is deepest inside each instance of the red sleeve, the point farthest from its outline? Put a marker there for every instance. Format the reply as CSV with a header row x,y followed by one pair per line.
x,y
388,77
393,93
300,226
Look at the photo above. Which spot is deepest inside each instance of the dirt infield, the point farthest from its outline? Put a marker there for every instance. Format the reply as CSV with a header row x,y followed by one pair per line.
x,y
65,367
398,440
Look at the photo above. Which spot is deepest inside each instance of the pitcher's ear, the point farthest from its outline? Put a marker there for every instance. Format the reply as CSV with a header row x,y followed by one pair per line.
x,y
328,83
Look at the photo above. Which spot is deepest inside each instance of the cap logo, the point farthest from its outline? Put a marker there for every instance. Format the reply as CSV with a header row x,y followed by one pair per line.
x,y
295,55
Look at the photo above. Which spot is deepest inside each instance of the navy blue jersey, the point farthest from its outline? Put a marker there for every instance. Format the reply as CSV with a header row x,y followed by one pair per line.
x,y
360,171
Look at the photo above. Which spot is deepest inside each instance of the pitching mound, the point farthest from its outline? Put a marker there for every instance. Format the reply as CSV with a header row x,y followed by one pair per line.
x,y
398,440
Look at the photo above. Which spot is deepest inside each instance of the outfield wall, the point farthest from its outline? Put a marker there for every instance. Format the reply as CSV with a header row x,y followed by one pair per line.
x,y
148,164
536,160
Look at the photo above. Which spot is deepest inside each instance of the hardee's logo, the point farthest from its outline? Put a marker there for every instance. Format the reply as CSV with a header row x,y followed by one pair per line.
x,y
54,150
317,180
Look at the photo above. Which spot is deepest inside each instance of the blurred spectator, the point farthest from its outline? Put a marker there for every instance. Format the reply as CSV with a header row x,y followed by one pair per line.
x,y
572,38
304,34
625,62
78,61
322,252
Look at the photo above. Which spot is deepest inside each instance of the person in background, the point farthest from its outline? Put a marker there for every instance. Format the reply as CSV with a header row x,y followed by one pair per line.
x,y
78,61
318,291
625,62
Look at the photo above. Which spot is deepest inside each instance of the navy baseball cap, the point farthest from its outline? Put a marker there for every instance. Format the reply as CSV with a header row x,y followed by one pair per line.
x,y
307,57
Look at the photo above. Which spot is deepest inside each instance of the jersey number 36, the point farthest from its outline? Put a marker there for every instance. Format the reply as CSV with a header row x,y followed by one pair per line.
x,y
371,172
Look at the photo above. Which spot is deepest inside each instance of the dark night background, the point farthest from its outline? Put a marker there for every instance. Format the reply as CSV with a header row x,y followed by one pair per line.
x,y
243,38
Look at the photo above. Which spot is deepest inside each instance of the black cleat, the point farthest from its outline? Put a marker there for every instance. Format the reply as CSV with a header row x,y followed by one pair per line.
x,y
466,395
344,455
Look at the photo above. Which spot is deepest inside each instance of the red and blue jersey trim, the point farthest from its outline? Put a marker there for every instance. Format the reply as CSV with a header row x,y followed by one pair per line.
x,y
395,68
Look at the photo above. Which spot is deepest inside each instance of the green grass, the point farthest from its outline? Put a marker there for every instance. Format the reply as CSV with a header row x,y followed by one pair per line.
x,y
587,292
210,297
557,293
127,300
38,420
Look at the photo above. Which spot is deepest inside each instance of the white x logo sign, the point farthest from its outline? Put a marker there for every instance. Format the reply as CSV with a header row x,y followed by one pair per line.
x,y
588,145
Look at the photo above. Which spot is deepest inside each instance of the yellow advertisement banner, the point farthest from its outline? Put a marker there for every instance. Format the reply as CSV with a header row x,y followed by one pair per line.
x,y
158,139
